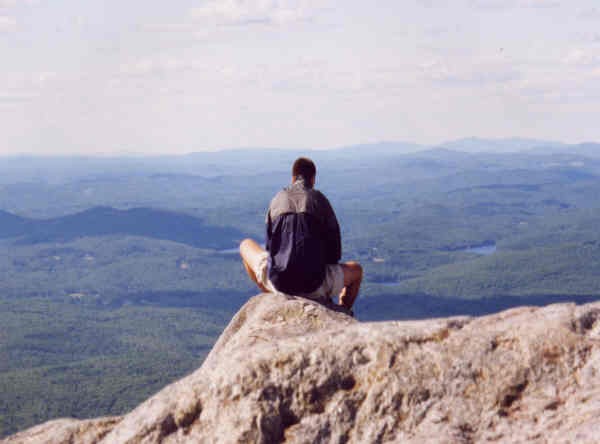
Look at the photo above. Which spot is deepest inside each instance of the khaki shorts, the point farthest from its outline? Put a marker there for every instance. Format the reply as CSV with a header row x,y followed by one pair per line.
x,y
332,284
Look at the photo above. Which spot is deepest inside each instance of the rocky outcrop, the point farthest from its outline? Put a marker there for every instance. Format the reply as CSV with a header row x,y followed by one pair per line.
x,y
67,431
289,370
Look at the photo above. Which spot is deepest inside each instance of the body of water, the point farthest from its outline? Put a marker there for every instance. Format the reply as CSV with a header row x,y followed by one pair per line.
x,y
483,250
235,250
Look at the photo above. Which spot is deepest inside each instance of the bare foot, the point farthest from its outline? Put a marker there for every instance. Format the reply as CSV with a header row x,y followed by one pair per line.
x,y
342,296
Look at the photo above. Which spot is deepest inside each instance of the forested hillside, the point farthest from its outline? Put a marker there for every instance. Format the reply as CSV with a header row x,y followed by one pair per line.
x,y
117,276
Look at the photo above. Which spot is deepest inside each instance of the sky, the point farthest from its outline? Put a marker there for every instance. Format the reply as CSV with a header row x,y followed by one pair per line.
x,y
156,77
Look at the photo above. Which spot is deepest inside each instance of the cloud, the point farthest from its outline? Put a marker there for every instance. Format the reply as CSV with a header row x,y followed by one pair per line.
x,y
508,4
570,79
589,13
558,93
23,86
6,4
303,76
495,4
7,24
43,78
432,3
169,27
582,57
587,37
159,65
480,73
244,12
538,3
10,97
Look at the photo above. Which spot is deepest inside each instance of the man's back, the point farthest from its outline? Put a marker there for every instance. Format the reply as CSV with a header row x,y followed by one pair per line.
x,y
303,245
303,236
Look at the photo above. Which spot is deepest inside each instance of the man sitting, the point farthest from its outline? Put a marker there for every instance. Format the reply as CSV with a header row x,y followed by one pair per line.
x,y
303,245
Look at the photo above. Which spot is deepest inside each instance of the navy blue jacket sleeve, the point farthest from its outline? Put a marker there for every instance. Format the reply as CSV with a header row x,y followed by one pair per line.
x,y
332,236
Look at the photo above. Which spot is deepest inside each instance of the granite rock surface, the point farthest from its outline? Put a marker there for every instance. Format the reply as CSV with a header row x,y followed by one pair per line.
x,y
289,370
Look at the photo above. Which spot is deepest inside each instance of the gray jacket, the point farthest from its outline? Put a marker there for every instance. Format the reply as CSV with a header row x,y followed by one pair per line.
x,y
303,236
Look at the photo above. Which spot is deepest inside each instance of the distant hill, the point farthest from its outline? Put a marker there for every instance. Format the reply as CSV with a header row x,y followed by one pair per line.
x,y
11,225
242,161
507,145
588,149
101,221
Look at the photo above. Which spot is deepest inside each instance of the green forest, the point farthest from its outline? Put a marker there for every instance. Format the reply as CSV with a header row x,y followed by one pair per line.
x,y
117,278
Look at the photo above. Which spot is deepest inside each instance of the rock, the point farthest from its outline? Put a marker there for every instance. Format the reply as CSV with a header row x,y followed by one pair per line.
x,y
289,370
62,431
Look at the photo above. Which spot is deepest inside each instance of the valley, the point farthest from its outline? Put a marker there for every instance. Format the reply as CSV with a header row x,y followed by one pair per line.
x,y
117,280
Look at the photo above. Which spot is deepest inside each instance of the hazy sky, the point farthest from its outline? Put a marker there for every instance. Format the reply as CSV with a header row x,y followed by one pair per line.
x,y
129,76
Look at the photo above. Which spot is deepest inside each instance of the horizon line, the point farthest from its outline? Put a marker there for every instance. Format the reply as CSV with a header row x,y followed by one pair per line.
x,y
418,147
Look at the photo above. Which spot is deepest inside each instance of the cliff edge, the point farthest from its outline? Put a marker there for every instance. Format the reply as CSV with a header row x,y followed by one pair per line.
x,y
289,370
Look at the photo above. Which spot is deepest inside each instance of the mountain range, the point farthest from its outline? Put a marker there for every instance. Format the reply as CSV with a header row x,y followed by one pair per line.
x,y
62,168
101,221
111,288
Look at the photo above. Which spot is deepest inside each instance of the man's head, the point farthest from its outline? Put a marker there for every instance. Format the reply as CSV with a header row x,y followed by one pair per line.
x,y
306,169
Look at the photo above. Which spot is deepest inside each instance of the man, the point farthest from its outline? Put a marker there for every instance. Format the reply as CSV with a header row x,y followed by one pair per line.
x,y
303,245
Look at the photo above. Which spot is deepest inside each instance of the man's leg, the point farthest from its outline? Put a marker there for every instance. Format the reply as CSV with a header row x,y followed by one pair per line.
x,y
353,274
251,252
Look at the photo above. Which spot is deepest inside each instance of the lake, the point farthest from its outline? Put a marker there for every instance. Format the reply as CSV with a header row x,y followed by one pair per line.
x,y
483,250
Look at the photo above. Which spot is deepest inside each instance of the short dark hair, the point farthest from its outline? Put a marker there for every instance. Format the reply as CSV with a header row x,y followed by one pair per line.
x,y
305,168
